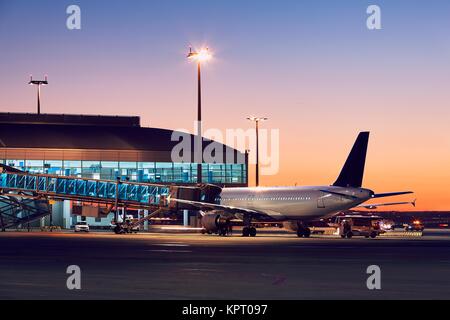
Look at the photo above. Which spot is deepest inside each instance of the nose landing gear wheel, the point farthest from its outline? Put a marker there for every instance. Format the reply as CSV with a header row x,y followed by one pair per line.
x,y
304,232
249,232
307,233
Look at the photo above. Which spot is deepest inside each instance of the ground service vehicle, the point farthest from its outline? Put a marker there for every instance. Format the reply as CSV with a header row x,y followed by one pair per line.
x,y
366,226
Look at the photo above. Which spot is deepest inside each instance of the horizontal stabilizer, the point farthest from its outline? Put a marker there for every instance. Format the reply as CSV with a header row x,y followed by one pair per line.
x,y
376,205
390,194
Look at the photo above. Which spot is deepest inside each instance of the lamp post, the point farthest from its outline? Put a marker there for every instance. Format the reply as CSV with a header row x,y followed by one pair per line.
x,y
38,83
257,120
200,56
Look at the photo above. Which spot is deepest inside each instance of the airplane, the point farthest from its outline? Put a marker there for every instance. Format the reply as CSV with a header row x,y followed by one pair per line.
x,y
294,205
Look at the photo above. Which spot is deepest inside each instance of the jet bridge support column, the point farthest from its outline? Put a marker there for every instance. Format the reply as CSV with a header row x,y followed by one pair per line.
x,y
67,213
185,218
116,204
146,221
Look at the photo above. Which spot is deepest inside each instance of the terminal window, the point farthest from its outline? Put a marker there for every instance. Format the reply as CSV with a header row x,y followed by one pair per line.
x,y
135,171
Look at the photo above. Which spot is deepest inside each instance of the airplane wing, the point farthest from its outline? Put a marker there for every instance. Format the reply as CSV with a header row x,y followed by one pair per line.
x,y
234,211
376,205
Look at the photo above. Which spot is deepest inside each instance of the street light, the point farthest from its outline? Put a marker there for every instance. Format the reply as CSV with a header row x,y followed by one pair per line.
x,y
38,83
203,55
257,120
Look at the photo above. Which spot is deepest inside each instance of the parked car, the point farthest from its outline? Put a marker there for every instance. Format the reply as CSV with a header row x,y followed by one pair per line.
x,y
82,226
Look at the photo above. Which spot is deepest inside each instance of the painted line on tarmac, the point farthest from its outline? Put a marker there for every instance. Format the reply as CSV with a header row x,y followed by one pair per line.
x,y
172,245
325,247
170,251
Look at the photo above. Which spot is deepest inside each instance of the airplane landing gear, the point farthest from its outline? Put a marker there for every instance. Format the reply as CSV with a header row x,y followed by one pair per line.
x,y
224,232
249,232
303,232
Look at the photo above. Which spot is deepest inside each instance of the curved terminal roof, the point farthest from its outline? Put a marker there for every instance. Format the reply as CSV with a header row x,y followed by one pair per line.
x,y
84,132
85,137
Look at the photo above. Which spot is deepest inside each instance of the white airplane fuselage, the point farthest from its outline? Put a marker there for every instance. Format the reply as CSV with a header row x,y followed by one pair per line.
x,y
295,203
290,204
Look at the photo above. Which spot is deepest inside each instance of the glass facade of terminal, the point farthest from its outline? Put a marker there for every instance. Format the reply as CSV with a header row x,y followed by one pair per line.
x,y
160,172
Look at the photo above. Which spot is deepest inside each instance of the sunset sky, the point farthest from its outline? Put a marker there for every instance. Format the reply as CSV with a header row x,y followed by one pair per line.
x,y
312,67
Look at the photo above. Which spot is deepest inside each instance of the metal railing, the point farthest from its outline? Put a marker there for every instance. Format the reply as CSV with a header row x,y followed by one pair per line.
x,y
132,194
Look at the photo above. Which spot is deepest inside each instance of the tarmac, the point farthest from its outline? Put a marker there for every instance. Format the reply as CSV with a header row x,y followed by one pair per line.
x,y
273,265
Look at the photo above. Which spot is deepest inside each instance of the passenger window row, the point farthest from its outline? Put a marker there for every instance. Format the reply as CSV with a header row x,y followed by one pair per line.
x,y
266,199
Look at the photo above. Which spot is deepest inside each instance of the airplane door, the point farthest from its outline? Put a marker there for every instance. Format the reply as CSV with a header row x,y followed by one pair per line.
x,y
320,202
250,200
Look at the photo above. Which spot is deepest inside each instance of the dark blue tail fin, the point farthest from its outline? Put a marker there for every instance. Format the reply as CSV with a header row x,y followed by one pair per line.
x,y
353,170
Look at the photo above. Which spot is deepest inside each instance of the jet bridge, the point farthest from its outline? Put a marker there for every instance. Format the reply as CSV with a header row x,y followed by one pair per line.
x,y
22,194
130,194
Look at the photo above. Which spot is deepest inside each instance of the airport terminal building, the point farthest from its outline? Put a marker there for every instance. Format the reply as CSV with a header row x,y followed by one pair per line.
x,y
105,147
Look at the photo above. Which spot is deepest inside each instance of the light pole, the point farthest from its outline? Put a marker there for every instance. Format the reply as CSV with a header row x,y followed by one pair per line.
x,y
38,83
200,56
257,120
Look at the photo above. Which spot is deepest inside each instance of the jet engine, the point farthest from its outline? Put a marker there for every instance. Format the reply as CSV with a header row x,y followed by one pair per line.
x,y
291,225
301,229
215,223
